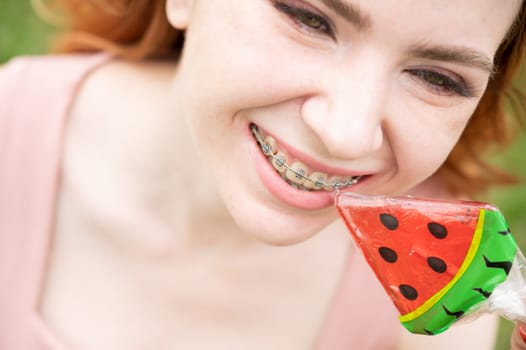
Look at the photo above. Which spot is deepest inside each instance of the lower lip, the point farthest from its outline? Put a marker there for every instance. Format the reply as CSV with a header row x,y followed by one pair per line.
x,y
300,199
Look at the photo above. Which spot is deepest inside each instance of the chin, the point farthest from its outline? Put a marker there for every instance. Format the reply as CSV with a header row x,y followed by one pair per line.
x,y
277,227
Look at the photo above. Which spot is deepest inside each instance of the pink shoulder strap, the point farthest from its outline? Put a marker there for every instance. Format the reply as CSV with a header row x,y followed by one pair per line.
x,y
35,96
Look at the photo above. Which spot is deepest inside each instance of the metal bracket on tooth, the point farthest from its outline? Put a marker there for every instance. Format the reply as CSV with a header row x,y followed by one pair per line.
x,y
265,148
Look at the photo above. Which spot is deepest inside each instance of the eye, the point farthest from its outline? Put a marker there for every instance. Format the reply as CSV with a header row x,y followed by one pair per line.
x,y
306,19
442,84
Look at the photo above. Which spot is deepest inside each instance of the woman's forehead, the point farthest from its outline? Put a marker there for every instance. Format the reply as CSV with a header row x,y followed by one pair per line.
x,y
398,24
482,23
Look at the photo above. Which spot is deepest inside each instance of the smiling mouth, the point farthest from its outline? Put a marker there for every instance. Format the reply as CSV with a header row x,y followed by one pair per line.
x,y
294,172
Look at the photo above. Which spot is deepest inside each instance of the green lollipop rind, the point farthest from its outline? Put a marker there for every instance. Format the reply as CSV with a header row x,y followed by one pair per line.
x,y
493,252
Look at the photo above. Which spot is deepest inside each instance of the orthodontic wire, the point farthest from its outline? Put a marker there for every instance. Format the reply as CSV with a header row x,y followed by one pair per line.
x,y
265,147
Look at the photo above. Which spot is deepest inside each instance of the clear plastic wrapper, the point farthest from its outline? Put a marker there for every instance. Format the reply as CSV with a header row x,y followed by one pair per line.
x,y
440,261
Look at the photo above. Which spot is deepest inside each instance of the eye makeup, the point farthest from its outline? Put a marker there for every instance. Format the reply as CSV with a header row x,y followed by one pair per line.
x,y
306,18
441,83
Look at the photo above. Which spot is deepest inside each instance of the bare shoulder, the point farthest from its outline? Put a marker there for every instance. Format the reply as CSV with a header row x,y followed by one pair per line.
x,y
115,105
122,86
111,131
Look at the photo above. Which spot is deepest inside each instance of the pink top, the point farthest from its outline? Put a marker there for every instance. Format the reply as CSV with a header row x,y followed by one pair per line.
x,y
35,96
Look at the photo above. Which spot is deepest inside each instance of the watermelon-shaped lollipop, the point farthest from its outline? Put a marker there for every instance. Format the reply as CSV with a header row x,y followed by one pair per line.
x,y
438,260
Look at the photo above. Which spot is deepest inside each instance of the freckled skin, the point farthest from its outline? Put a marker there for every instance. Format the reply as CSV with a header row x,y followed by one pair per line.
x,y
345,99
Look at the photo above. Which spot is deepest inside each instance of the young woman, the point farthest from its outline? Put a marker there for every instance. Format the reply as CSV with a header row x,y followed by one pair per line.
x,y
147,201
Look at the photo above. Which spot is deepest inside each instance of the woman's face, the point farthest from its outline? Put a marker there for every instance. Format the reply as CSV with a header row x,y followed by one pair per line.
x,y
339,89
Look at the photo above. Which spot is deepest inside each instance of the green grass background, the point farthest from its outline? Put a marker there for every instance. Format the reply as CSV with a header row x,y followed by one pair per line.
x,y
21,33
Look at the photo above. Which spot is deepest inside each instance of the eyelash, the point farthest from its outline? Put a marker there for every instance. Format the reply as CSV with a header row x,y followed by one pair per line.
x,y
442,84
438,83
306,19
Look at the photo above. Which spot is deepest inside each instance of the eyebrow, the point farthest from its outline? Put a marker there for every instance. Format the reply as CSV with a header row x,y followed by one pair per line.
x,y
350,12
457,54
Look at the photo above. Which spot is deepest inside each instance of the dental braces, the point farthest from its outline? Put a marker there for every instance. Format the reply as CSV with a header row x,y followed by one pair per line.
x,y
280,162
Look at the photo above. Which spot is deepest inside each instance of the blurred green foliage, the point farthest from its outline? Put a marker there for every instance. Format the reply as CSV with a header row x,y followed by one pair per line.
x,y
21,32
512,202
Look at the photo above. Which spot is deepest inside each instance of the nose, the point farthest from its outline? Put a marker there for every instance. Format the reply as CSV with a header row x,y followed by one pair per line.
x,y
346,113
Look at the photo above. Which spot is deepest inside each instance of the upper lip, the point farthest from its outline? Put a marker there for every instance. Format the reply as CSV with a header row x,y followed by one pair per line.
x,y
312,163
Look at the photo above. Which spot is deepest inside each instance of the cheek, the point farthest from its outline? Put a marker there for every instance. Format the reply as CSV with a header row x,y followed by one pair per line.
x,y
421,145
245,65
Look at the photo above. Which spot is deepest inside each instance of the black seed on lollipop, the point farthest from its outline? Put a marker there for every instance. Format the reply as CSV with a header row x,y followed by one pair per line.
x,y
437,230
504,265
388,254
389,221
437,264
484,293
456,314
408,292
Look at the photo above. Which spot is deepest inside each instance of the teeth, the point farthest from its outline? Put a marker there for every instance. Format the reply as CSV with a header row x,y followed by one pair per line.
x,y
309,185
270,146
352,180
347,181
318,181
279,162
333,183
297,173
